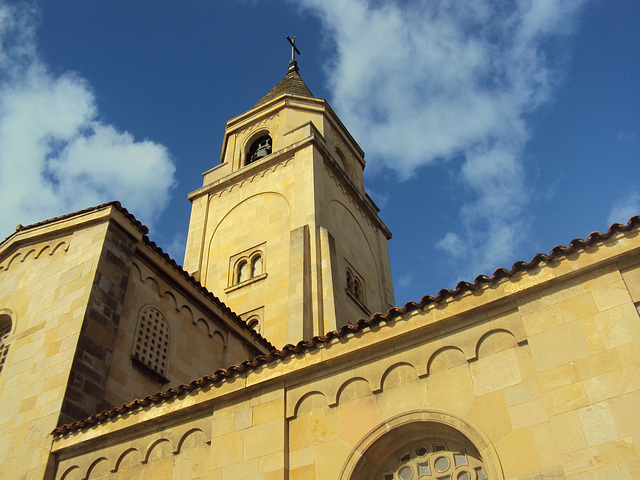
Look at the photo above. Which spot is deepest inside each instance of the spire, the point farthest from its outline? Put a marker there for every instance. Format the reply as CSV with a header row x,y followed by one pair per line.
x,y
292,83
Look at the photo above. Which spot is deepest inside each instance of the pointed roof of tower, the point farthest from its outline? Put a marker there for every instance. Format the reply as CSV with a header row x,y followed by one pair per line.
x,y
291,84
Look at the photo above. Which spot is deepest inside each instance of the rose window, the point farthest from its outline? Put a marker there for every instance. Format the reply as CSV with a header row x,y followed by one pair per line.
x,y
435,461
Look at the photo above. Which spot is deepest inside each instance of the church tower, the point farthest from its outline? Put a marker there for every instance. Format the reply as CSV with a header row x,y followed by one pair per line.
x,y
282,229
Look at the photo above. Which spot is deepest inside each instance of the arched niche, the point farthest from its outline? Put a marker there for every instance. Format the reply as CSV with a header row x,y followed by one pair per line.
x,y
423,445
259,146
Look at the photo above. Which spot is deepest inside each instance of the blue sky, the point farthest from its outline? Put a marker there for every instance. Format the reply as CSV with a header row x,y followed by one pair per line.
x,y
492,130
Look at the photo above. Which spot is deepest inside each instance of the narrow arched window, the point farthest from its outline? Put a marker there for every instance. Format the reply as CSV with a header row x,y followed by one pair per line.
x,y
256,266
357,289
151,344
5,331
258,149
349,281
242,272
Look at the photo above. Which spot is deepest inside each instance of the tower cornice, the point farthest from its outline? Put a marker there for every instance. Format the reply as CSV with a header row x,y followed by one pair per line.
x,y
316,139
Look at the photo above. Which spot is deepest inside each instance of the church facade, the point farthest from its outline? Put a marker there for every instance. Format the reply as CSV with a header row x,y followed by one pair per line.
x,y
117,363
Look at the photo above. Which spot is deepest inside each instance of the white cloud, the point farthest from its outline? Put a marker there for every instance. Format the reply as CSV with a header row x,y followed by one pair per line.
x,y
379,198
434,80
405,280
177,247
624,209
55,156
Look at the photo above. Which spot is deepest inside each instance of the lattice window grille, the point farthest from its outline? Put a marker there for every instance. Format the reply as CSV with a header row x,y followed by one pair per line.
x,y
151,345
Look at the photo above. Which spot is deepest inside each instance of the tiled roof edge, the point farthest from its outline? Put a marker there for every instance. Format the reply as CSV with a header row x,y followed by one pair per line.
x,y
307,345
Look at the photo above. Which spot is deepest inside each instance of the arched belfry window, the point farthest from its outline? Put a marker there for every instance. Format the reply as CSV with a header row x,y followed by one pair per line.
x,y
5,331
259,148
151,343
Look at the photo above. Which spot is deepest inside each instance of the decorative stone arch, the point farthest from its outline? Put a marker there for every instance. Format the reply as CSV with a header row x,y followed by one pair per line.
x,y
232,219
98,467
410,436
196,434
71,473
403,367
301,400
483,342
130,457
157,447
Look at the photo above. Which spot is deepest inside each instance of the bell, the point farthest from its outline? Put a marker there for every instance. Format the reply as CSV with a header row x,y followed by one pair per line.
x,y
262,152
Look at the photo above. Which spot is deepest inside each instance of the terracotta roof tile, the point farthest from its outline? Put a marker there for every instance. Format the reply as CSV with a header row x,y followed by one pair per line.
x,y
307,345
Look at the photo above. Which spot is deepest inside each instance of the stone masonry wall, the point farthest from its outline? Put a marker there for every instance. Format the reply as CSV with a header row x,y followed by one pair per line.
x,y
85,393
539,372
45,284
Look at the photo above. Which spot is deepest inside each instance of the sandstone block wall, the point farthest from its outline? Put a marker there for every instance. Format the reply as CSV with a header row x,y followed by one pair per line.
x,y
46,279
535,376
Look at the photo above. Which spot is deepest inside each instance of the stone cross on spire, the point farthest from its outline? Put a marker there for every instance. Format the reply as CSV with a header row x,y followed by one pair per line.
x,y
293,64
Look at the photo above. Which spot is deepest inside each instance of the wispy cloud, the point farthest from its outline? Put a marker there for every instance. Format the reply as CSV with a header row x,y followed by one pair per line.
x,y
625,208
405,280
55,155
426,80
380,198
177,246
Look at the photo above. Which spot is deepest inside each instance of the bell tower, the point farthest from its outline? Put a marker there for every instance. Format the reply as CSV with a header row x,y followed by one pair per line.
x,y
282,229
